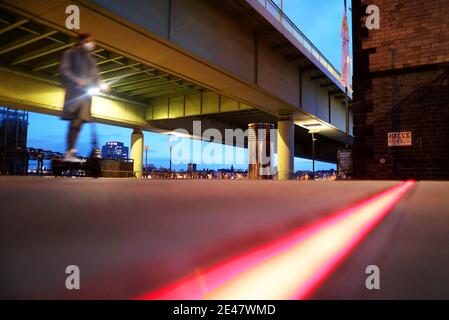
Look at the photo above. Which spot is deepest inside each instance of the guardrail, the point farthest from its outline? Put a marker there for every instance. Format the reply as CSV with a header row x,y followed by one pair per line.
x,y
289,25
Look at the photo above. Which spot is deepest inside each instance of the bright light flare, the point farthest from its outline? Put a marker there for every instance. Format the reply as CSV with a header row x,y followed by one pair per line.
x,y
93,91
294,266
103,87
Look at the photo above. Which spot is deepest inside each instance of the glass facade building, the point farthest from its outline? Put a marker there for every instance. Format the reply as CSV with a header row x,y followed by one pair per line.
x,y
114,150
13,141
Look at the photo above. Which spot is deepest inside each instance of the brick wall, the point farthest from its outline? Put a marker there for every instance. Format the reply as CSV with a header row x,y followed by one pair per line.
x,y
401,83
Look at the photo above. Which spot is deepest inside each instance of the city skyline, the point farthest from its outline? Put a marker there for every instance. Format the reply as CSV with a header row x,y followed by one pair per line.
x,y
158,153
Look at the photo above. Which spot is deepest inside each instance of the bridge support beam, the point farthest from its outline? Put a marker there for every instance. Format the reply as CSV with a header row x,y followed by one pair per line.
x,y
286,148
137,152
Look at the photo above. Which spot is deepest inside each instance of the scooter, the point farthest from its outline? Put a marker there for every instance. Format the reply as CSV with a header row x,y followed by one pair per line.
x,y
91,165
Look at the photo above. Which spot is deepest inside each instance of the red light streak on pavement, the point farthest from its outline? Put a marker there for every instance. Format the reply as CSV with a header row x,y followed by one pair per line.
x,y
293,266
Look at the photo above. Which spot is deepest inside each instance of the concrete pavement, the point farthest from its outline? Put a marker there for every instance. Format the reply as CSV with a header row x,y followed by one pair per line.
x,y
410,247
129,237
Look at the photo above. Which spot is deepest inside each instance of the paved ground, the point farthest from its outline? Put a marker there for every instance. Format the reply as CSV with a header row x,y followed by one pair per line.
x,y
131,236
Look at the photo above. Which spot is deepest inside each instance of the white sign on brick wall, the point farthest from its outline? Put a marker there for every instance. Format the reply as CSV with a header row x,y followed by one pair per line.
x,y
400,139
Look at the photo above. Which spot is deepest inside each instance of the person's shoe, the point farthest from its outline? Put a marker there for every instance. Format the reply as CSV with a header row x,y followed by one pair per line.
x,y
70,156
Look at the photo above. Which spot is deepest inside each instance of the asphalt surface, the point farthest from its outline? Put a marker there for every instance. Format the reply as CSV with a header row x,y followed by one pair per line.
x,y
129,237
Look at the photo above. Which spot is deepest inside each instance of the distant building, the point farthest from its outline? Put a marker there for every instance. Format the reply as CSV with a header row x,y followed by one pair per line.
x,y
13,141
191,167
114,150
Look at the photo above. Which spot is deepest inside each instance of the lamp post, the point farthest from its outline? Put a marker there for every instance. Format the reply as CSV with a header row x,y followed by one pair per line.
x,y
170,140
313,154
171,147
312,132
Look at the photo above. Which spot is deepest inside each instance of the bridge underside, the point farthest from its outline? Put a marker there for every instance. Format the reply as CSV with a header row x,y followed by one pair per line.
x,y
145,95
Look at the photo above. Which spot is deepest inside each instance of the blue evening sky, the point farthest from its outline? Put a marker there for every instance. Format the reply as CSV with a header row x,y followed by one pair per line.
x,y
319,20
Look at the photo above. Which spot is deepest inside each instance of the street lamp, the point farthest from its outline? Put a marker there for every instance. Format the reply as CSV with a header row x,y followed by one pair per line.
x,y
312,132
170,140
313,154
171,147
313,127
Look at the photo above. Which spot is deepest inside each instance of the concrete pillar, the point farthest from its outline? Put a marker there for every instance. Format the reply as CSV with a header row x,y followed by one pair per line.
x,y
137,152
286,149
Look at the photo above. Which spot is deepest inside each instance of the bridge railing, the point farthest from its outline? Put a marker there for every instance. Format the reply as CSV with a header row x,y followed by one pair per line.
x,y
289,25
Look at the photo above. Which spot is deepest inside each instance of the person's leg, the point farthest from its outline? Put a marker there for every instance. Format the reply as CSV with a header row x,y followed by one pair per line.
x,y
74,130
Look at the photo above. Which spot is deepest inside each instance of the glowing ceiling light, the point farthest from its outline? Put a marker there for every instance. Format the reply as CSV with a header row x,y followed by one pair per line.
x,y
292,267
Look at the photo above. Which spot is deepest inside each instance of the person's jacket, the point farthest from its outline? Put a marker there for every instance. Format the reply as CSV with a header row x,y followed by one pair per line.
x,y
77,64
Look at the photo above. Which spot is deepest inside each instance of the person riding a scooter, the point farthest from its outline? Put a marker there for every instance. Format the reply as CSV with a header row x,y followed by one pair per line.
x,y
79,74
